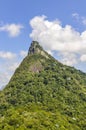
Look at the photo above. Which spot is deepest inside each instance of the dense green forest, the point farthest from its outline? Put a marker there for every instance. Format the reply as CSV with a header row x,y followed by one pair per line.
x,y
44,94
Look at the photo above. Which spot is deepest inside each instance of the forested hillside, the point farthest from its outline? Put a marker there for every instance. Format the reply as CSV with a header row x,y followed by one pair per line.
x,y
43,94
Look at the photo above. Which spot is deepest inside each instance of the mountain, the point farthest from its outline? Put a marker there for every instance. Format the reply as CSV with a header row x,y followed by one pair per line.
x,y
43,94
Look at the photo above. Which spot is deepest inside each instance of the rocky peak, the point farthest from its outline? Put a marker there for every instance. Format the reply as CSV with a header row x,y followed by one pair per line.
x,y
35,48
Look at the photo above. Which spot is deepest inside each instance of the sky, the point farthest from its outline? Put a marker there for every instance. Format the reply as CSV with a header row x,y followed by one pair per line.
x,y
59,26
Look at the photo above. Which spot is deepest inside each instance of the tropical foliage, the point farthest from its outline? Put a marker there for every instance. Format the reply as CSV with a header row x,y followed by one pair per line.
x,y
44,94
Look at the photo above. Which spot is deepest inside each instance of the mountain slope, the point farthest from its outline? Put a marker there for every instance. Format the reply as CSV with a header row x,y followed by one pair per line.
x,y
44,94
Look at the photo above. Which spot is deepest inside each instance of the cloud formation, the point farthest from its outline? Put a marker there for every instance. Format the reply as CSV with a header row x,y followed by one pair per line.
x,y
67,42
23,53
83,58
7,55
12,29
80,19
8,63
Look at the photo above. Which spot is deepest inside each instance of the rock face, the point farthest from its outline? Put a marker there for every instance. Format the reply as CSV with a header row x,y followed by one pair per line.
x,y
35,48
43,94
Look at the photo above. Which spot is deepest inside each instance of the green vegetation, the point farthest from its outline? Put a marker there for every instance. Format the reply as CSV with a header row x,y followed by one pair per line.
x,y
44,94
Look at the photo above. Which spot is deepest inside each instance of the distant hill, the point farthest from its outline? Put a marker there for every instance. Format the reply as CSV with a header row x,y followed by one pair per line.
x,y
43,94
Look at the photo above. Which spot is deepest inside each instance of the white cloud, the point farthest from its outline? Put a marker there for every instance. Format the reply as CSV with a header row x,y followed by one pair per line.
x,y
7,68
12,29
83,58
76,16
13,66
7,55
50,52
8,65
84,20
4,78
63,40
23,53
69,59
80,19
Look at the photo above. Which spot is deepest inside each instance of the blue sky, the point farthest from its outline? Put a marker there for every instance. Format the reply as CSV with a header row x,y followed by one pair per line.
x,y
22,21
